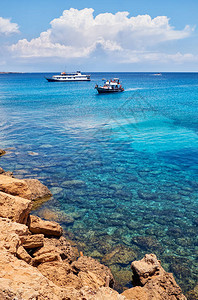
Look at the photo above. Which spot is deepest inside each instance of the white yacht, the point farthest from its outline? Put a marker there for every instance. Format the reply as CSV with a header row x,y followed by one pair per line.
x,y
77,76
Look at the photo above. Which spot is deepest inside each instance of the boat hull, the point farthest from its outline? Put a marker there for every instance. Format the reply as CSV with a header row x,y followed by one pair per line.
x,y
66,80
107,91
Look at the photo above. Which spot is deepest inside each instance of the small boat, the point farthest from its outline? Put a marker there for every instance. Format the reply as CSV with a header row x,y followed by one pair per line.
x,y
65,77
110,86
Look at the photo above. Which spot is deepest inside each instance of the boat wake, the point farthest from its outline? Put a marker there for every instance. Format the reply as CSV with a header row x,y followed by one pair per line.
x,y
133,89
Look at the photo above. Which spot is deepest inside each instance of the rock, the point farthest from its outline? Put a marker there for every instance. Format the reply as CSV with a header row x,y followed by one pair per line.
x,y
105,293
55,215
9,174
37,225
2,152
147,243
46,256
67,251
73,183
22,254
155,281
85,264
136,293
193,294
147,195
22,281
38,190
145,268
1,170
56,272
90,279
119,255
13,186
32,241
14,208
7,227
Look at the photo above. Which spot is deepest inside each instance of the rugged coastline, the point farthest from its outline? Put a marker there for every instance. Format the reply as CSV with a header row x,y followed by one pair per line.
x,y
39,263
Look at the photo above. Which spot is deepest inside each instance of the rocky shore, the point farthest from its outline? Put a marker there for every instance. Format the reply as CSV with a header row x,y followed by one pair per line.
x,y
37,262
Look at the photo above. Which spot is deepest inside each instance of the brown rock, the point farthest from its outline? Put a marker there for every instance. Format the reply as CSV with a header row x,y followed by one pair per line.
x,y
22,281
38,190
46,253
10,235
1,169
145,268
13,186
103,293
22,254
46,257
57,272
85,264
7,227
14,207
120,255
32,241
136,293
2,152
63,247
91,280
156,282
37,225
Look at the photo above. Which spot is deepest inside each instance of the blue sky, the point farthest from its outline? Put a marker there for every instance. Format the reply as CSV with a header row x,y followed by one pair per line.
x,y
100,35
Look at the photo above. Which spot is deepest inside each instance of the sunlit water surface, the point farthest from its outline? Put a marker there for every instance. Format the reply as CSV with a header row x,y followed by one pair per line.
x,y
122,167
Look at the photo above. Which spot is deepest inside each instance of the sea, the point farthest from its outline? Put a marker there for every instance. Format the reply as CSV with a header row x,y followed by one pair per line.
x,y
122,167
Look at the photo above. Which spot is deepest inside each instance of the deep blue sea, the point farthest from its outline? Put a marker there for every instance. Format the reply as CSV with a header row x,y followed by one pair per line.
x,y
122,167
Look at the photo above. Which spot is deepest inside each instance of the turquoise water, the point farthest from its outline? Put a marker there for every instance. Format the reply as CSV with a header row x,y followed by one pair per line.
x,y
122,167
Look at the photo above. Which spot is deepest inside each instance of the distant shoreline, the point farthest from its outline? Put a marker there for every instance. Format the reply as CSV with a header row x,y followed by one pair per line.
x,y
11,72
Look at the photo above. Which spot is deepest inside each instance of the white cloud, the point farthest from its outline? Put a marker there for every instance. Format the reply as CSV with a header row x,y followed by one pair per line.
x,y
77,33
6,27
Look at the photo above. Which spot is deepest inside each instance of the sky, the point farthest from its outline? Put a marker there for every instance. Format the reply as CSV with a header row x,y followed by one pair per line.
x,y
100,36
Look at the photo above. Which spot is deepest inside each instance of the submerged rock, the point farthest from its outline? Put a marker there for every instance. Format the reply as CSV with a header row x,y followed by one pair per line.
x,y
147,195
119,255
73,183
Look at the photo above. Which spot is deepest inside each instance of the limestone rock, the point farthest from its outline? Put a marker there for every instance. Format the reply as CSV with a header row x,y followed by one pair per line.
x,y
2,152
22,254
46,257
145,268
63,247
58,272
7,227
18,280
37,225
106,293
155,281
38,190
46,253
1,169
85,264
32,241
13,186
120,255
136,293
14,207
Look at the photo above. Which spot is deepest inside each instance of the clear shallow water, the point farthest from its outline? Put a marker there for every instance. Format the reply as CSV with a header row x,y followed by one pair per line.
x,y
133,156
